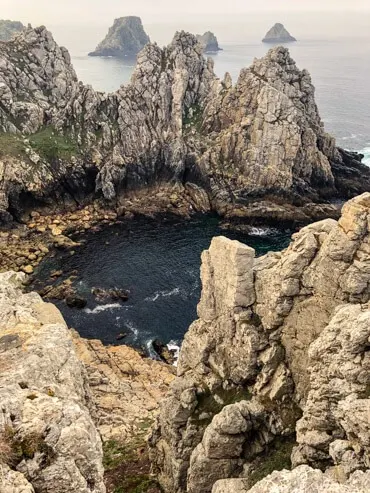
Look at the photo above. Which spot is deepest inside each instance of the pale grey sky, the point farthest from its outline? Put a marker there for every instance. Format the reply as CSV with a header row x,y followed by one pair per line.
x,y
99,11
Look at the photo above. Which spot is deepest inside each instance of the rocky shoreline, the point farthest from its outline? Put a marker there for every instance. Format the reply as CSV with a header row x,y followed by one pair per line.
x,y
273,375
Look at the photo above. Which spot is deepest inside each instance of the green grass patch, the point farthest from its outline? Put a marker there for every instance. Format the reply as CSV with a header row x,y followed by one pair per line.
x,y
11,145
52,145
136,484
115,454
276,458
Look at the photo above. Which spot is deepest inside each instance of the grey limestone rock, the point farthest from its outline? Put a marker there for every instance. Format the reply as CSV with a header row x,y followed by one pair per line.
x,y
174,122
209,42
45,416
278,357
278,34
124,39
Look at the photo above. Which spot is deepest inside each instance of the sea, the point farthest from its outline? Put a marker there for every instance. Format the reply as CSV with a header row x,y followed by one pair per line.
x,y
158,262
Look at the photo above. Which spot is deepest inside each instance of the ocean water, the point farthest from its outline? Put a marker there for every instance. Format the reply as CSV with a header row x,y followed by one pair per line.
x,y
158,262
339,67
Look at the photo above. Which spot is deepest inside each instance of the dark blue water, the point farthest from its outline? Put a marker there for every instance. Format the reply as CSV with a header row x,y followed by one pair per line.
x,y
158,262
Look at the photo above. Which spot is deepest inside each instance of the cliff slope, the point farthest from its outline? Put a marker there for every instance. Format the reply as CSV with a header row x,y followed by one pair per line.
x,y
275,373
174,122
124,39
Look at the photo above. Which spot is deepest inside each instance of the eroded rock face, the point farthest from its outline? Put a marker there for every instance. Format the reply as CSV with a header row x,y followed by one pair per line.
x,y
45,416
277,336
303,479
209,42
124,39
278,34
174,122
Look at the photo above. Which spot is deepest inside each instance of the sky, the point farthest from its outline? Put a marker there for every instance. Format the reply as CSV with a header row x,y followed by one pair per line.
x,y
97,11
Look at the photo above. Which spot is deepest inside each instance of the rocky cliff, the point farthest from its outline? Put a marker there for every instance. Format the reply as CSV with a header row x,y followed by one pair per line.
x,y
61,396
174,122
278,34
275,373
209,42
9,28
124,39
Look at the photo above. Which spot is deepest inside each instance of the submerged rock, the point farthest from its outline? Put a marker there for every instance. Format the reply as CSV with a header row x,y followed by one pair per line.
x,y
276,370
9,28
124,39
278,34
208,42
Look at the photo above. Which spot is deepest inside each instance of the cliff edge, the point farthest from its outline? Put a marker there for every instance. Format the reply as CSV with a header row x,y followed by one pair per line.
x,y
175,122
275,373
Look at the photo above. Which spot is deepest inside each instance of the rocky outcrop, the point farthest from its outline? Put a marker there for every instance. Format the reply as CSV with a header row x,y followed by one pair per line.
x,y
278,34
126,387
209,42
9,28
124,39
48,441
174,122
275,372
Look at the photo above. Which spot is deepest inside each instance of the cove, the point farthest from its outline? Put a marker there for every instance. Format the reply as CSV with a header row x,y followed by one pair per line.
x,y
158,262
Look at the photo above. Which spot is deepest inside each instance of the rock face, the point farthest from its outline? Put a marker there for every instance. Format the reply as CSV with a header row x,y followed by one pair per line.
x,y
124,39
278,34
174,122
48,441
9,28
209,42
276,369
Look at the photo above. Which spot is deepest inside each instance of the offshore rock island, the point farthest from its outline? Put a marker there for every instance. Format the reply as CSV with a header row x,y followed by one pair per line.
x,y
278,34
226,147
209,42
124,39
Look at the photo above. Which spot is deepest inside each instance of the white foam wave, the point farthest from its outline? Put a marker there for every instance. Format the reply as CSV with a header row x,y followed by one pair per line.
x,y
133,329
173,346
366,153
261,231
163,294
102,308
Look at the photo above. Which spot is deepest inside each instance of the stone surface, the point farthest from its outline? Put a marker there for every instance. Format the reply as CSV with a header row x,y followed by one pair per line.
x,y
279,357
9,28
174,122
303,479
278,34
124,39
126,387
209,42
46,406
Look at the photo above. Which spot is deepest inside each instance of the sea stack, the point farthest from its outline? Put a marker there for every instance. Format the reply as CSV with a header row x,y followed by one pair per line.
x,y
9,28
209,42
278,34
124,39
